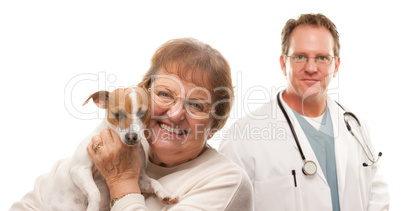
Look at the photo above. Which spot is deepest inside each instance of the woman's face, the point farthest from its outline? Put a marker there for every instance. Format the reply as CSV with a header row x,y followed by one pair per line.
x,y
177,135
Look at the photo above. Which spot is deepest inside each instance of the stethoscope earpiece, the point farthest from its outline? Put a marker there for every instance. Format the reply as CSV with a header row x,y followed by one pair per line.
x,y
372,160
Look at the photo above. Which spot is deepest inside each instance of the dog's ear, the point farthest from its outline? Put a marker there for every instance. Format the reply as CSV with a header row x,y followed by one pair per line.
x,y
100,99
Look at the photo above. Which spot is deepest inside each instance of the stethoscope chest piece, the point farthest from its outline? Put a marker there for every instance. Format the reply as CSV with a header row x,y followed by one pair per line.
x,y
309,168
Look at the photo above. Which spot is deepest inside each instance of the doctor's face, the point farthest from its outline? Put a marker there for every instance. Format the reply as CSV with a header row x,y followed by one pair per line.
x,y
306,72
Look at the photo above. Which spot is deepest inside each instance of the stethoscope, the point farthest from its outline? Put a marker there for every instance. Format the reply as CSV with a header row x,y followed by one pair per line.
x,y
310,167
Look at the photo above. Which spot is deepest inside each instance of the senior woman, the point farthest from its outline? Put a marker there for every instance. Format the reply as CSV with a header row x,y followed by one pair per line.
x,y
191,89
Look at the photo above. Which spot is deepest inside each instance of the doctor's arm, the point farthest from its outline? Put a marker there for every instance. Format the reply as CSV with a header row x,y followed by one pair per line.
x,y
379,195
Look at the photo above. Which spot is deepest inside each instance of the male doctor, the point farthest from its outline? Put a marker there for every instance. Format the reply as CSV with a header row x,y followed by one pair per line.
x,y
319,166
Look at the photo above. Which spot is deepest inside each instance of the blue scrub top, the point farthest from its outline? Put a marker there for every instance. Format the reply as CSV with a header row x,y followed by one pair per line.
x,y
322,142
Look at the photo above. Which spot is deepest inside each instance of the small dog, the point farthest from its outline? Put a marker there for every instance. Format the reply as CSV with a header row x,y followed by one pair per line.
x,y
77,184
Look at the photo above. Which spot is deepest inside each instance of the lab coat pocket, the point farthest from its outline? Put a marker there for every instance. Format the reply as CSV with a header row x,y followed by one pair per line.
x,y
279,194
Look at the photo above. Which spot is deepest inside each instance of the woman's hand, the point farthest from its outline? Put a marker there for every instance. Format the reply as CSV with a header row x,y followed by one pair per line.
x,y
118,163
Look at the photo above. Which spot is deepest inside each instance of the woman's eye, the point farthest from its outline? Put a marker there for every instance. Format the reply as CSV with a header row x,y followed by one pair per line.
x,y
196,106
165,94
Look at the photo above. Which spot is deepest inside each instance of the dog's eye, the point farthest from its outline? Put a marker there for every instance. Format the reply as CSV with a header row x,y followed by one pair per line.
x,y
118,115
142,112
115,114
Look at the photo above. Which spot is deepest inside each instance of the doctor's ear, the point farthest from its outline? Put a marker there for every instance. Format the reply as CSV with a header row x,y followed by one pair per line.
x,y
283,64
337,63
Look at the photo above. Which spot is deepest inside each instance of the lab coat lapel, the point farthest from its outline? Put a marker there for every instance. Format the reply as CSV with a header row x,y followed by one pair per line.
x,y
341,145
306,147
304,143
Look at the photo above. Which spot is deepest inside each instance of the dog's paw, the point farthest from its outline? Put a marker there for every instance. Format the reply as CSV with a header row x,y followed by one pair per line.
x,y
170,199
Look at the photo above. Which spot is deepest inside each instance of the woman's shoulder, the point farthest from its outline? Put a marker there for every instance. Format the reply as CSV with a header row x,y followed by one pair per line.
x,y
210,181
216,166
210,169
226,174
219,164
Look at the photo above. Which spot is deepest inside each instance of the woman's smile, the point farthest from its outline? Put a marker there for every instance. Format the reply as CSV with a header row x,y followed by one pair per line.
x,y
174,131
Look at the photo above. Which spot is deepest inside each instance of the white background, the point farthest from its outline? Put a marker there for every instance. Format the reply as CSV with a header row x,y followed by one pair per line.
x,y
53,54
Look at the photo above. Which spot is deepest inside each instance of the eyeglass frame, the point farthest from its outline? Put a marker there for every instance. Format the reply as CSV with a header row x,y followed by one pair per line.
x,y
183,104
307,58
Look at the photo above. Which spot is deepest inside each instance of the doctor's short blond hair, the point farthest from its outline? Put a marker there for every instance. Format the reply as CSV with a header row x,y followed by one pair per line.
x,y
196,62
318,20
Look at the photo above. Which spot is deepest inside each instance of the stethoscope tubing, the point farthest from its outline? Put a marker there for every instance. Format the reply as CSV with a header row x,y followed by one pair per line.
x,y
371,158
291,126
309,167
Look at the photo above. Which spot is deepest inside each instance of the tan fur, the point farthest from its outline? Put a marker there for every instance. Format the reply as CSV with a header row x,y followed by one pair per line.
x,y
119,102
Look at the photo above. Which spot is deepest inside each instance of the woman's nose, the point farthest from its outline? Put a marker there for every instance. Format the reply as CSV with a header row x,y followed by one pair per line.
x,y
177,112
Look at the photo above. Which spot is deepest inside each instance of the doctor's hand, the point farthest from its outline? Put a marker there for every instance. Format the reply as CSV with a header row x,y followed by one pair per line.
x,y
118,163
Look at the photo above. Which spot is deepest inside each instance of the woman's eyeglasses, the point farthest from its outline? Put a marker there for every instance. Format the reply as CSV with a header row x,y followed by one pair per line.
x,y
195,107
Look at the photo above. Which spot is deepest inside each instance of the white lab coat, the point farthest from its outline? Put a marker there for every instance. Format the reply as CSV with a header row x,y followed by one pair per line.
x,y
263,145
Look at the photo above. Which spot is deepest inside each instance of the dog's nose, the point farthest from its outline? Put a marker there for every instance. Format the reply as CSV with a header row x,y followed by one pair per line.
x,y
131,138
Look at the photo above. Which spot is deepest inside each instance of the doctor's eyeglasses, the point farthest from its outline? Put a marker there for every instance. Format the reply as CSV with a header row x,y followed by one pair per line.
x,y
165,97
301,60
